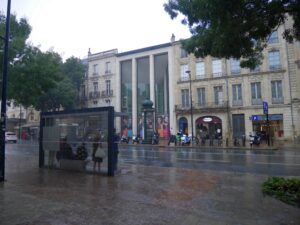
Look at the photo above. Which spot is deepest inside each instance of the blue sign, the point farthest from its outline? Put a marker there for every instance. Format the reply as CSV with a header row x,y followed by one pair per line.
x,y
272,117
265,107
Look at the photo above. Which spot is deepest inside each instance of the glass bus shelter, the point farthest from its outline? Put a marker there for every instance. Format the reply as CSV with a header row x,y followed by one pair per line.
x,y
78,140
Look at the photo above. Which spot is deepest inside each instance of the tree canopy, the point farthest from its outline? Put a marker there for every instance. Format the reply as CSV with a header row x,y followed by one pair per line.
x,y
234,29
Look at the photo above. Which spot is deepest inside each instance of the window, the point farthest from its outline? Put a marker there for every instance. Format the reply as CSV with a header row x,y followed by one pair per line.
x,y
273,38
95,85
107,82
235,66
183,53
237,95
201,96
95,69
256,93
276,88
107,67
183,74
218,90
185,98
217,68
274,60
200,70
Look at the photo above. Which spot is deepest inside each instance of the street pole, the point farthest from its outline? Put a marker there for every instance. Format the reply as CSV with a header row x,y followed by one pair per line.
x,y
191,110
268,129
4,95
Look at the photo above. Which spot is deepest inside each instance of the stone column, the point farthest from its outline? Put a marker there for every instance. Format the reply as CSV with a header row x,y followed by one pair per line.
x,y
152,80
134,97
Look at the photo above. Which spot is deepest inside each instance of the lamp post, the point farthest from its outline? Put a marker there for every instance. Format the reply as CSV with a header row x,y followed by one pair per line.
x,y
4,95
191,99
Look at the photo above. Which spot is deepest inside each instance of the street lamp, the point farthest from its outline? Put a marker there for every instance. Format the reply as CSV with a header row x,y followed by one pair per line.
x,y
191,99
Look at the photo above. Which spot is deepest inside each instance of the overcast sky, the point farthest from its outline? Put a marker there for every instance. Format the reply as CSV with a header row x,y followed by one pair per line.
x,y
73,26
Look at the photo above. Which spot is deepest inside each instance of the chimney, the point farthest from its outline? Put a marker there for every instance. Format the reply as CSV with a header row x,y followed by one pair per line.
x,y
89,52
172,38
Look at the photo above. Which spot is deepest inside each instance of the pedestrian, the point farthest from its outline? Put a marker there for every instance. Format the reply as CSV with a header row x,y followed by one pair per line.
x,y
65,150
98,155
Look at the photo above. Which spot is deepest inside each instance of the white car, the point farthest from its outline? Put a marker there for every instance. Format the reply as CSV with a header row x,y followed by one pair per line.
x,y
11,137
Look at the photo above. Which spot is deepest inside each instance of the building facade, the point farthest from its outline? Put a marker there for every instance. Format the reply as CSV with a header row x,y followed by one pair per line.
x,y
99,88
227,100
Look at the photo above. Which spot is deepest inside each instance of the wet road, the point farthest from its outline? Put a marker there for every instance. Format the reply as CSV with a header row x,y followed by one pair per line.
x,y
282,162
156,186
270,162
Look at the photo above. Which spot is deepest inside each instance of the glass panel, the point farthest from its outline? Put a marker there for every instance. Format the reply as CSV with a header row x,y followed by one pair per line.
x,y
126,97
274,60
217,68
273,89
235,66
71,141
143,82
273,38
200,70
183,74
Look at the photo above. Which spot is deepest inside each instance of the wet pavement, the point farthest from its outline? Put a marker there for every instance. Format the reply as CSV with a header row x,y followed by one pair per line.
x,y
147,192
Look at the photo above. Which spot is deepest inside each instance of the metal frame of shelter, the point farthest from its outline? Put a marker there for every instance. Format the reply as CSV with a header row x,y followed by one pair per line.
x,y
79,114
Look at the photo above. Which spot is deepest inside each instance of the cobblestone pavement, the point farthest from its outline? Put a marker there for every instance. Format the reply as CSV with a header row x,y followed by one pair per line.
x,y
140,195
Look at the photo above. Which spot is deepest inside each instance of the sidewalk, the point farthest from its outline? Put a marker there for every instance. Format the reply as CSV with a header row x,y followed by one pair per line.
x,y
139,195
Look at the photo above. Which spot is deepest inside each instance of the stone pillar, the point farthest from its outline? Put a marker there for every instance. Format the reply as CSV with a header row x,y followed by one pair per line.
x,y
172,93
152,79
134,97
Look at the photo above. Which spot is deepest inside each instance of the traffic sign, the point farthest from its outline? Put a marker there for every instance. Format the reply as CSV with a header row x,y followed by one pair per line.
x,y
265,107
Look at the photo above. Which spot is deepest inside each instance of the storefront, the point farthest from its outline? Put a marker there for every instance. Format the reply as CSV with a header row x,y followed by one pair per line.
x,y
183,125
209,127
259,124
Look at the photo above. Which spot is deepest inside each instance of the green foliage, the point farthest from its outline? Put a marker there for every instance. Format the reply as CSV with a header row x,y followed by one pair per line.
x,y
286,190
62,96
34,75
234,29
74,69
36,78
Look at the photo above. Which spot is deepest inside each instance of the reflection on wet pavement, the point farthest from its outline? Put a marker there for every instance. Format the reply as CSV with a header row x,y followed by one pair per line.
x,y
139,194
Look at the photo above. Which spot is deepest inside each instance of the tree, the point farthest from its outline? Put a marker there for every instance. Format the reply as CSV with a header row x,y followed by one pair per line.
x,y
34,75
62,96
237,29
74,69
19,33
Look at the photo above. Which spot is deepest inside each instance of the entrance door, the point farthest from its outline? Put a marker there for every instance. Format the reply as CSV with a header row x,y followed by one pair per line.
x,y
183,125
238,123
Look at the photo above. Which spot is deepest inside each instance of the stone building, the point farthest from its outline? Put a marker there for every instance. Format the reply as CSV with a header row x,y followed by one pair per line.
x,y
227,100
99,88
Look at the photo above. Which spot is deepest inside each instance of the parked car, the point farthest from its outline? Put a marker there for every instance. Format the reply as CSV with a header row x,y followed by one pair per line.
x,y
11,137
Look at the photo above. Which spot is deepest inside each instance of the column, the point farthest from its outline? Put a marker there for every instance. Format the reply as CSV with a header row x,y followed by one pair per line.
x,y
172,91
134,97
152,80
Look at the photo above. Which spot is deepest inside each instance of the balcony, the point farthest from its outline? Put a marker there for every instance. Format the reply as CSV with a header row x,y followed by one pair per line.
x,y
107,73
207,107
237,102
182,79
275,67
257,101
277,100
94,94
107,93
